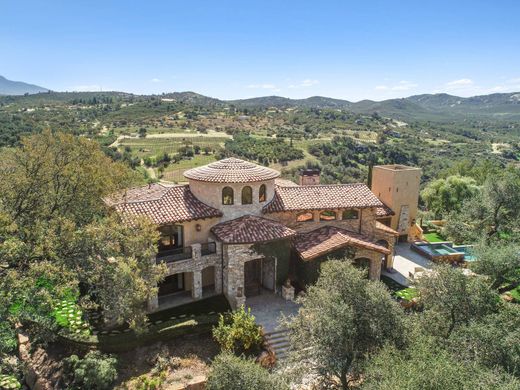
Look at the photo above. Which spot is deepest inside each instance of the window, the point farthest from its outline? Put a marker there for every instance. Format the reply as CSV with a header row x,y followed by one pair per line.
x,y
227,195
350,214
170,237
262,193
327,215
305,217
247,195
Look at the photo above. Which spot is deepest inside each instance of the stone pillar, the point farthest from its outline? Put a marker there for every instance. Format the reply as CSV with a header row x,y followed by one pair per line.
x,y
374,273
196,252
153,303
196,288
218,279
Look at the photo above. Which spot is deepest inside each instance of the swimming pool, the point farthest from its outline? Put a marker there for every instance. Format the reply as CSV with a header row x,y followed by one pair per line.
x,y
468,251
440,251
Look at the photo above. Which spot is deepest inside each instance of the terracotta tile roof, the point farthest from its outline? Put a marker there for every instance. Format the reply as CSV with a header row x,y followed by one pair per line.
x,y
383,227
384,211
163,204
320,197
231,170
326,239
285,183
250,229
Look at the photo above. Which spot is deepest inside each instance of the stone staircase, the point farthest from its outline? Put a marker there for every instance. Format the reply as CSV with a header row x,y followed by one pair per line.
x,y
278,341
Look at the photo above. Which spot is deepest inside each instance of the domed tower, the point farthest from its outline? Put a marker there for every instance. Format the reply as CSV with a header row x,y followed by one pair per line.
x,y
234,186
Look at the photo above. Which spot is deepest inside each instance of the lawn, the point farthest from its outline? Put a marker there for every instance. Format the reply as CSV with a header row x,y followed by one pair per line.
x,y
434,237
217,304
515,293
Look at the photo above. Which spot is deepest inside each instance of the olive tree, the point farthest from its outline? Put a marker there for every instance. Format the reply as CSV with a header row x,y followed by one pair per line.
x,y
343,318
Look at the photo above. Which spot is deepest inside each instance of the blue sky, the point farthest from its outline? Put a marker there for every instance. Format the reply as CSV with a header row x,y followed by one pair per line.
x,y
237,49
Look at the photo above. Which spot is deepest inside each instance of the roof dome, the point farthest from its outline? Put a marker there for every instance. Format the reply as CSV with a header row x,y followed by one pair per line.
x,y
231,170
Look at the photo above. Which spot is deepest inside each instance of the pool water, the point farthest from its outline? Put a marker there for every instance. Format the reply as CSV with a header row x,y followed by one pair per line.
x,y
467,250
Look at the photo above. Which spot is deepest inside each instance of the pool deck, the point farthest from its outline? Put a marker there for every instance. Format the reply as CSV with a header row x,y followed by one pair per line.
x,y
405,262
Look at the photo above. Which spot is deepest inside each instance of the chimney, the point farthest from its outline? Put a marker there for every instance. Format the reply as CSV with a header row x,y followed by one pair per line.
x,y
309,177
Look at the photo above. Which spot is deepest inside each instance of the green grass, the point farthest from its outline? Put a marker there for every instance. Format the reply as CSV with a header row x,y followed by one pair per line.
x,y
434,237
174,172
515,293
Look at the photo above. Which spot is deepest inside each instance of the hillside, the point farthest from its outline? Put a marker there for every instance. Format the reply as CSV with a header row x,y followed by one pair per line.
x,y
9,87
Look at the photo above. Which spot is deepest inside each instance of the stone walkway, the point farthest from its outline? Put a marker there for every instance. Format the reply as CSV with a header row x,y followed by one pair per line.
x,y
405,262
268,307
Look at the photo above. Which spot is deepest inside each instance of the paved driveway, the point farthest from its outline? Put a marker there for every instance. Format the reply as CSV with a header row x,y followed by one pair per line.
x,y
405,262
268,307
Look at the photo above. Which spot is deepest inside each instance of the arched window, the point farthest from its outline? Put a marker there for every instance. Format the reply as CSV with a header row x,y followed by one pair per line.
x,y
247,195
305,217
350,214
227,195
262,193
327,215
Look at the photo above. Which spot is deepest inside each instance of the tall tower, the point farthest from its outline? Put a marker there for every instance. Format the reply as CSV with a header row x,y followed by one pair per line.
x,y
397,186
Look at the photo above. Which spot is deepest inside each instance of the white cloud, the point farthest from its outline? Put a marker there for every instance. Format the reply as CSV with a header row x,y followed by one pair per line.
x,y
87,88
403,85
155,80
461,83
305,83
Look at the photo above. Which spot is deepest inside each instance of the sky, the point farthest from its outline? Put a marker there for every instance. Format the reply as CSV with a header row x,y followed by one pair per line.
x,y
346,49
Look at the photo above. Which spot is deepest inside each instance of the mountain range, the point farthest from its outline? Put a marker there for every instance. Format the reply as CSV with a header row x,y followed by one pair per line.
x,y
440,106
9,87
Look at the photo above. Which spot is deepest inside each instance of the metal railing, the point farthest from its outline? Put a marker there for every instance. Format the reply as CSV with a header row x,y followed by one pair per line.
x,y
208,248
176,254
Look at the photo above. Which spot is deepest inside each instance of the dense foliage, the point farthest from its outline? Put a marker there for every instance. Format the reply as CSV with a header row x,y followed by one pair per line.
x,y
343,318
229,372
93,372
238,332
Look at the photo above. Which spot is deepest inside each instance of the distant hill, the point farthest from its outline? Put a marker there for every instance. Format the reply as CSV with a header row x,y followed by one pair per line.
x,y
9,87
425,107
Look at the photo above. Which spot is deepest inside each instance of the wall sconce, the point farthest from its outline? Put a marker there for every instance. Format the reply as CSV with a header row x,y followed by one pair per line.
x,y
198,227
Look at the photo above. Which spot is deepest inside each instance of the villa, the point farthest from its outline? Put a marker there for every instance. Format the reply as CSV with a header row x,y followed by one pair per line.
x,y
238,229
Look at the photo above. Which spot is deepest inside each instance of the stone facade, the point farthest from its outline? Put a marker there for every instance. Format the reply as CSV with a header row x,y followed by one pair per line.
x,y
225,269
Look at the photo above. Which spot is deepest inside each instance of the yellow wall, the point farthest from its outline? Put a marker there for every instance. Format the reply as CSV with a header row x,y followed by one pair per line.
x,y
398,186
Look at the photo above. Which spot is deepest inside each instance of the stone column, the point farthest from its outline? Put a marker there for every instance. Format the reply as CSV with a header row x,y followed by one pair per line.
x,y
374,273
196,252
196,288
218,279
153,303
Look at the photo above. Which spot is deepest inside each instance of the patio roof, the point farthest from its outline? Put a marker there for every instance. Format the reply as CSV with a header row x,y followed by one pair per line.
x,y
327,239
250,229
386,229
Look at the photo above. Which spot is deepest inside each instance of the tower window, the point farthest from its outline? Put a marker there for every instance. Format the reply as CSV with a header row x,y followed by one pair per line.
x,y
227,196
262,193
247,195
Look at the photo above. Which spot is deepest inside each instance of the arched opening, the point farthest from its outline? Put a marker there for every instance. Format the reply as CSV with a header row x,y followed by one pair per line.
x,y
350,214
247,195
305,217
262,193
227,196
328,215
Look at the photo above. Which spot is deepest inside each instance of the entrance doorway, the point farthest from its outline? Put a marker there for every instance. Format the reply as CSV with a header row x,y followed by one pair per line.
x,y
252,278
259,274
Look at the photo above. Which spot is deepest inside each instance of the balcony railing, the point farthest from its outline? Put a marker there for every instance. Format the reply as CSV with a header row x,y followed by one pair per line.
x,y
208,248
174,255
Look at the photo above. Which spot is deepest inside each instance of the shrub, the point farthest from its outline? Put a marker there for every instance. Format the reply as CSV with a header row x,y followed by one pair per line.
x,y
7,338
229,372
238,332
94,371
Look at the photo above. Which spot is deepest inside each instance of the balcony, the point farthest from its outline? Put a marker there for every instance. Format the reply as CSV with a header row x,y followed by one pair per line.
x,y
173,255
208,248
